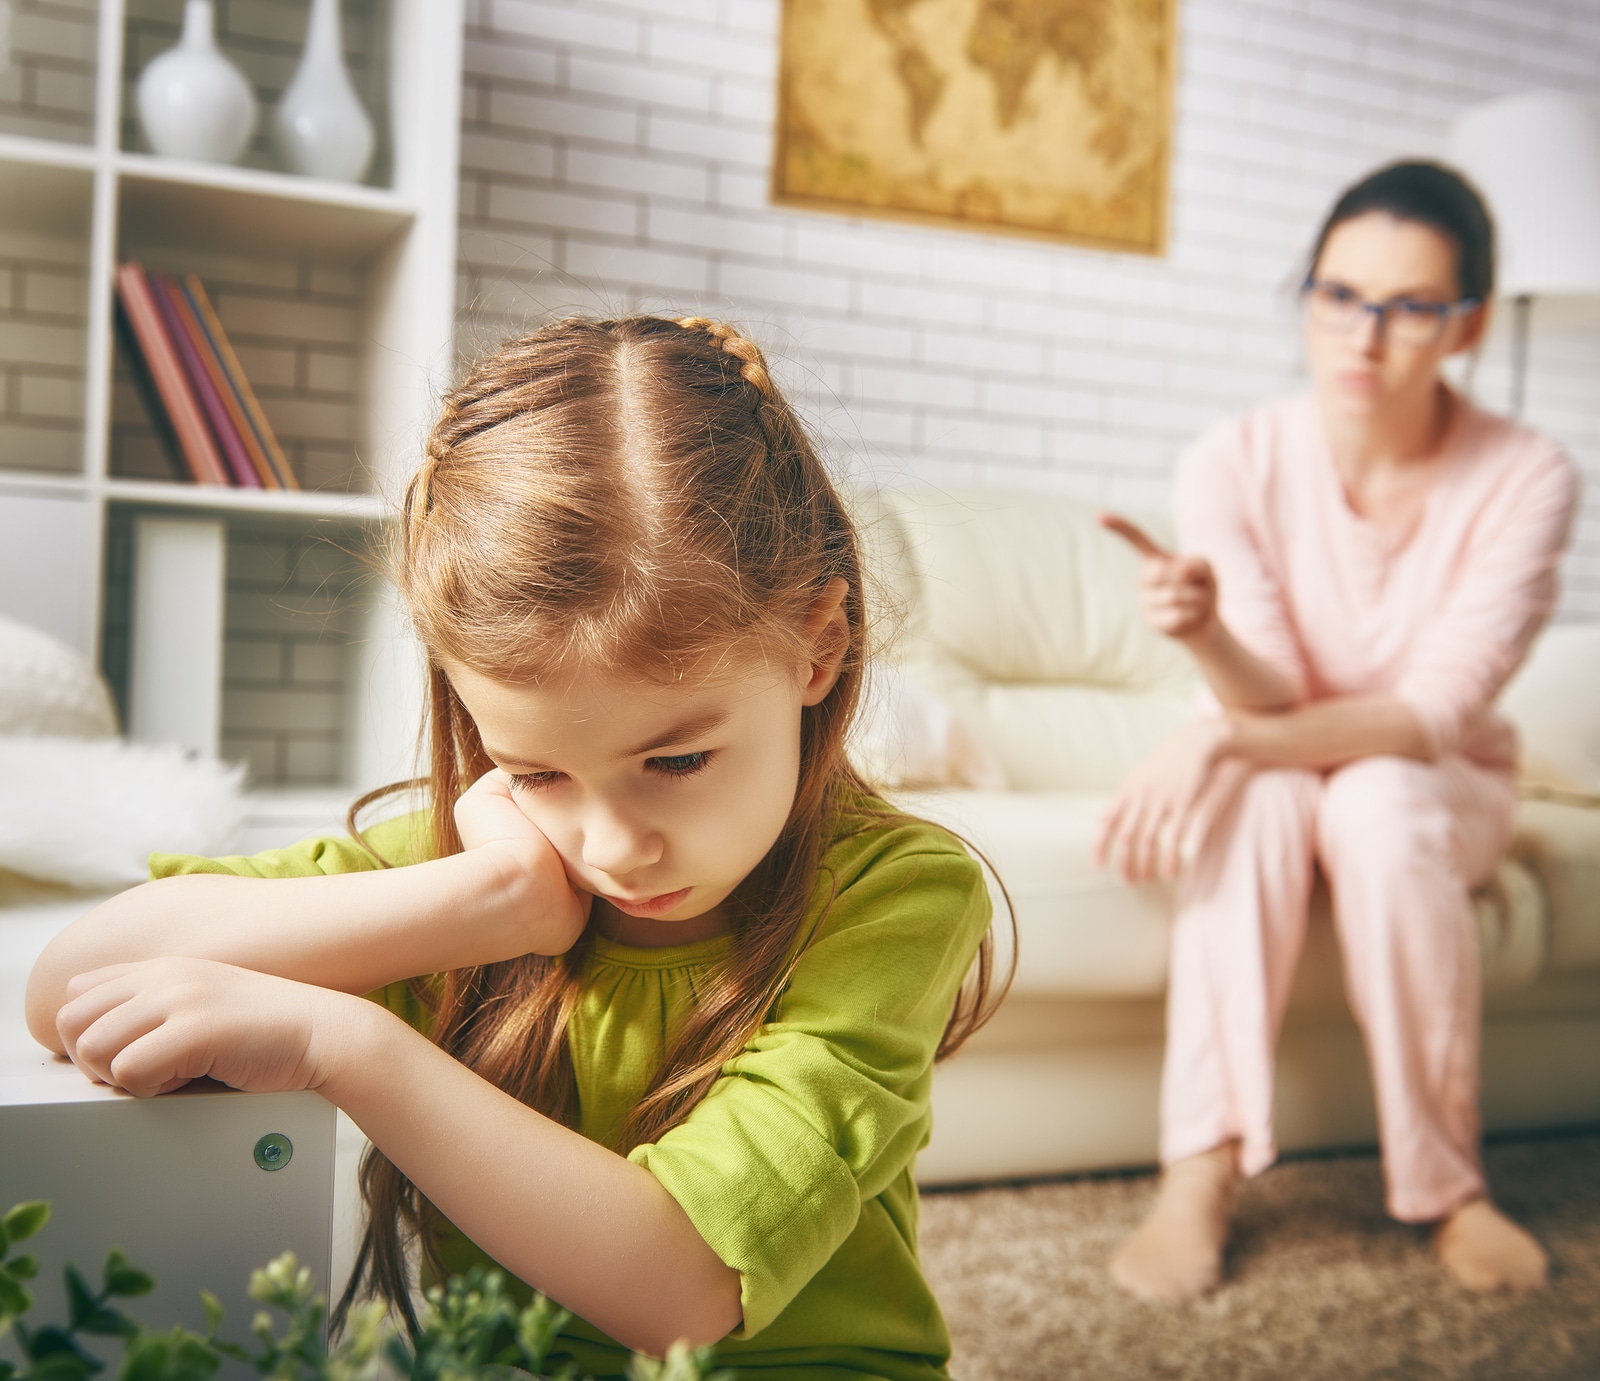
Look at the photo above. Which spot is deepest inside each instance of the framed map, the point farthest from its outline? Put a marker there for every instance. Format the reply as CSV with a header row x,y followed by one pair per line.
x,y
1032,117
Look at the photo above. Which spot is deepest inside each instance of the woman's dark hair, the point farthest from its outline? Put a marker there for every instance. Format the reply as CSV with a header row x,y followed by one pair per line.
x,y
1431,195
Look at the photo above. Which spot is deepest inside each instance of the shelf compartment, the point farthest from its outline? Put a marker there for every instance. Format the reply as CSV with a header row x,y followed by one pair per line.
x,y
297,323
265,39
296,603
44,286
47,89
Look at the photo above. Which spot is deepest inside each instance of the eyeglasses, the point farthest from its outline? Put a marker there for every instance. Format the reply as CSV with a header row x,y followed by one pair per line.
x,y
1406,320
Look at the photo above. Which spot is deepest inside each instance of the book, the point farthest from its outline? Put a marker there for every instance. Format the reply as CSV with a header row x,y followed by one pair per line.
x,y
150,396
261,429
232,430
232,448
196,447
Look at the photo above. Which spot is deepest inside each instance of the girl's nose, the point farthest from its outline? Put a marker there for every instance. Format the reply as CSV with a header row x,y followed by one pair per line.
x,y
615,844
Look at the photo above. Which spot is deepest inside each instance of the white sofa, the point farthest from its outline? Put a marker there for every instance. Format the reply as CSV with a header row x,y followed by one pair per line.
x,y
1021,614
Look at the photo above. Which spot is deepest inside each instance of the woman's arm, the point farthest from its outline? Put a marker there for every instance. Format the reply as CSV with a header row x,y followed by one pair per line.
x,y
594,1231
1146,829
506,895
1179,595
1327,733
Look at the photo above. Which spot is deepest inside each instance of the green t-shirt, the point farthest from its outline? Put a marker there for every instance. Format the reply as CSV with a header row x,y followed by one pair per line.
x,y
796,1167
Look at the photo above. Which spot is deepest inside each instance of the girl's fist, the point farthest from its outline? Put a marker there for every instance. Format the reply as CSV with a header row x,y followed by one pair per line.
x,y
489,819
1179,593
151,1027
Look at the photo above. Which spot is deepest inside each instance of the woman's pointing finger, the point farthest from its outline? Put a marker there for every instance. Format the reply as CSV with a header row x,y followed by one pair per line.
x,y
1133,535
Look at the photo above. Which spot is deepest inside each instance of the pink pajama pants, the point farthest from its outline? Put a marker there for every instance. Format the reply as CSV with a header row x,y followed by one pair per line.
x,y
1400,843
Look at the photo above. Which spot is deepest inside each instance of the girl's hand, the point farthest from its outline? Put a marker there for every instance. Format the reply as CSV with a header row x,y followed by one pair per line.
x,y
1179,593
1144,830
152,1026
489,819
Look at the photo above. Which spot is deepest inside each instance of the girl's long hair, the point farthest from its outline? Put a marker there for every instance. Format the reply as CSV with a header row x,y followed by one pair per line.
x,y
634,495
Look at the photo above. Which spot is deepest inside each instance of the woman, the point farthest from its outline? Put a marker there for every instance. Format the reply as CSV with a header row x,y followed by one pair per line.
x,y
1364,567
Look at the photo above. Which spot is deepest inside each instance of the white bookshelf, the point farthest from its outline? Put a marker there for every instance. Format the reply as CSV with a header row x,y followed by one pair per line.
x,y
340,301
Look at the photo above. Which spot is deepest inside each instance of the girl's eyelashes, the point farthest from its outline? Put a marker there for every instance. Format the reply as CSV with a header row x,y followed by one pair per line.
x,y
675,765
530,781
680,764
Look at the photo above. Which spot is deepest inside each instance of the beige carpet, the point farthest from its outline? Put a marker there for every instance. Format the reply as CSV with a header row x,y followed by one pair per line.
x,y
1321,1284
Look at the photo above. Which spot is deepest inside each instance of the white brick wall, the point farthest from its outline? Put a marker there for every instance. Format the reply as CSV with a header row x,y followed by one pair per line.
x,y
42,289
615,156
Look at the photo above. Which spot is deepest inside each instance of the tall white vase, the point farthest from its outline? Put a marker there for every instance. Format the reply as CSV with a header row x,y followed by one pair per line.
x,y
321,127
193,102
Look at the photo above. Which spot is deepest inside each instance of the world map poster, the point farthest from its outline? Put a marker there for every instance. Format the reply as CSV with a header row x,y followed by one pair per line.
x,y
1041,117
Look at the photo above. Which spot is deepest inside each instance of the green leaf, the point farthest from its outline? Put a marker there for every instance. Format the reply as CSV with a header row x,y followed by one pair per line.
x,y
177,1355
109,1323
213,1307
63,1366
14,1299
55,1350
24,1220
7,1370
22,1267
81,1302
122,1279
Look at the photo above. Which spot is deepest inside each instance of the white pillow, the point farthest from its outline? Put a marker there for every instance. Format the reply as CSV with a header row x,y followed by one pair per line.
x,y
907,737
47,688
90,812
1554,700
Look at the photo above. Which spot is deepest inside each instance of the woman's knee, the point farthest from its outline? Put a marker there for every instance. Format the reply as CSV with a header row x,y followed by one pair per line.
x,y
1387,814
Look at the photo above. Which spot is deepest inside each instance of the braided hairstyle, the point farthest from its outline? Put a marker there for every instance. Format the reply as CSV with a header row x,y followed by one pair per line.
x,y
634,495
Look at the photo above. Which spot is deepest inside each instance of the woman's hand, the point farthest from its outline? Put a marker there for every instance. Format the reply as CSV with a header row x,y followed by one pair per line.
x,y
152,1026
489,819
1144,830
1179,593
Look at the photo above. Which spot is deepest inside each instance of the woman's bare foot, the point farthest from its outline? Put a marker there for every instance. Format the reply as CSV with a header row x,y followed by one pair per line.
x,y
1176,1253
1485,1250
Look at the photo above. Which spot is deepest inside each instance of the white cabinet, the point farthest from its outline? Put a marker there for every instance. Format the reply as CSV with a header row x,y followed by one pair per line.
x,y
340,302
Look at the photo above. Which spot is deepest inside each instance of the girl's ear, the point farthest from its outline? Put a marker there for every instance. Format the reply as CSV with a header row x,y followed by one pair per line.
x,y
828,633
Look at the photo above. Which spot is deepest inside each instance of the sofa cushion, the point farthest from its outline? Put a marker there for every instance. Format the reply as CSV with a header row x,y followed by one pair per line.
x,y
1028,588
1083,932
1561,843
1554,704
1051,737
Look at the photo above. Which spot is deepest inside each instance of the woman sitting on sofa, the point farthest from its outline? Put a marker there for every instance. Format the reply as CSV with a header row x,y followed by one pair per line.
x,y
1363,568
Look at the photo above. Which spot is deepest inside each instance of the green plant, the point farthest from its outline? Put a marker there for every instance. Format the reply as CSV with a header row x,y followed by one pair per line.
x,y
470,1330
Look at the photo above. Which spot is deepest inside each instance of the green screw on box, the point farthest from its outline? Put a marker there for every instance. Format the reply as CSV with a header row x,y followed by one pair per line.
x,y
274,1151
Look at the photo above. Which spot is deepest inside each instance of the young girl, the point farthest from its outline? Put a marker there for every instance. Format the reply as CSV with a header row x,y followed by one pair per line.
x,y
689,977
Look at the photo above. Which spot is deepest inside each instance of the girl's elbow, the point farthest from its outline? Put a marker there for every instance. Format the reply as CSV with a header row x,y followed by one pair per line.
x,y
701,1318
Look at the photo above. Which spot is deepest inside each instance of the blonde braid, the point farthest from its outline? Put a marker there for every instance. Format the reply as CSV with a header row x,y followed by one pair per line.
x,y
753,364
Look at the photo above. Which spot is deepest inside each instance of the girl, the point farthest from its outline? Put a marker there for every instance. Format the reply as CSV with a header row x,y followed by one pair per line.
x,y
1366,566
688,977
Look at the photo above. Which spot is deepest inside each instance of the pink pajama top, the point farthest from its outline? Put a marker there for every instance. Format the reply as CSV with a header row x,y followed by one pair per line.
x,y
1439,615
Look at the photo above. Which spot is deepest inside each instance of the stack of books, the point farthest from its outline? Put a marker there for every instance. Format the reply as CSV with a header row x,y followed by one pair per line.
x,y
188,368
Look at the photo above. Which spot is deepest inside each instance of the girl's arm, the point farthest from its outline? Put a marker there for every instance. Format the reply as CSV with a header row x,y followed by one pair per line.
x,y
506,895
594,1231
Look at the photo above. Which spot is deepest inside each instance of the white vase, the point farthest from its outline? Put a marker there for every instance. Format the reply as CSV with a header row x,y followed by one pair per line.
x,y
321,127
193,102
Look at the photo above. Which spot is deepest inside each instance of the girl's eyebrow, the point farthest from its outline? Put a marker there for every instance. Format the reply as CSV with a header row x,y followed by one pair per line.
x,y
689,728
